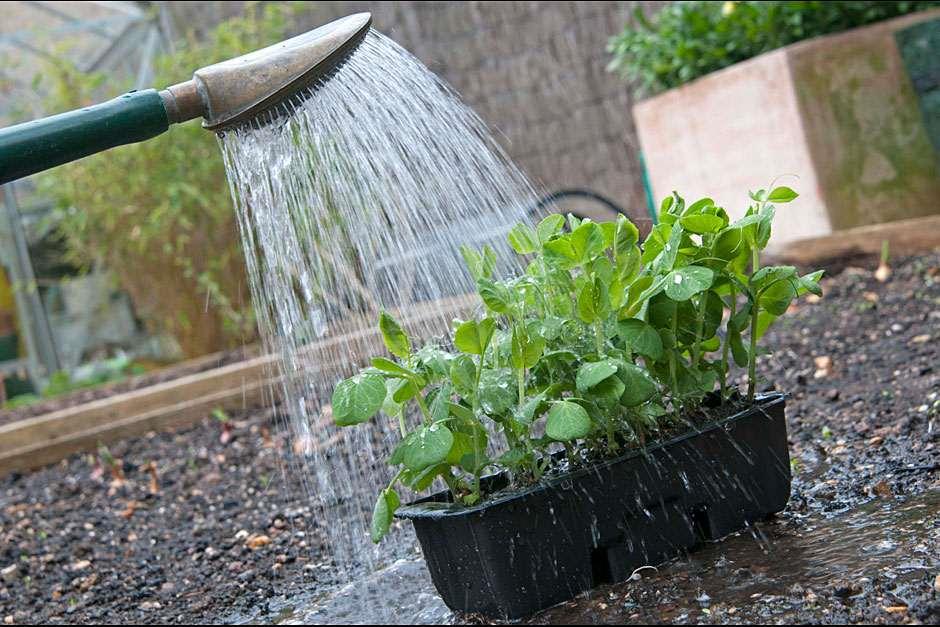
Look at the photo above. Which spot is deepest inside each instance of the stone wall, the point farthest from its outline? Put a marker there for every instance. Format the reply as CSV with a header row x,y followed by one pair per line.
x,y
534,71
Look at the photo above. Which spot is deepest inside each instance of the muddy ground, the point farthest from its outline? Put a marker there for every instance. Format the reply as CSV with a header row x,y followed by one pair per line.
x,y
211,530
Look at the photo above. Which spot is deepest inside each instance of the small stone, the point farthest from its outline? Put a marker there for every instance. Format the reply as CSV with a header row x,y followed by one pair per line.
x,y
823,366
212,553
833,394
882,488
246,576
241,535
920,339
10,573
80,565
8,619
150,605
257,541
875,441
936,583
883,273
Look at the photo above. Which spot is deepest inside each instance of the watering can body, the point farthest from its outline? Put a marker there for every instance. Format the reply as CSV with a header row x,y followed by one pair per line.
x,y
45,143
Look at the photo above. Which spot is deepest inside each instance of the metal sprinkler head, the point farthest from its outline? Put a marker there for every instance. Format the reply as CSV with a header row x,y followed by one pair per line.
x,y
237,90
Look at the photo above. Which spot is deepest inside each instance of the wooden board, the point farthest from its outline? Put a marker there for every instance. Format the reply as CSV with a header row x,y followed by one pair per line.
x,y
41,440
904,237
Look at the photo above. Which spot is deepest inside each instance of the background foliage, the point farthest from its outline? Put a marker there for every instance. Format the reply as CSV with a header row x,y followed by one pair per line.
x,y
159,214
687,40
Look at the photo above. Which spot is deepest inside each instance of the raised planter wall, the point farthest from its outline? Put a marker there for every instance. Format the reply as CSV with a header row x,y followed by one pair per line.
x,y
840,112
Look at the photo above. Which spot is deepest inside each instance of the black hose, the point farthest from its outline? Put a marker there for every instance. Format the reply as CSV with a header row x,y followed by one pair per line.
x,y
575,193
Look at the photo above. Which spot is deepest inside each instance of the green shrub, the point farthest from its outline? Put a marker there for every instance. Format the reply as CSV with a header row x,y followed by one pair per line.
x,y
600,345
686,40
159,214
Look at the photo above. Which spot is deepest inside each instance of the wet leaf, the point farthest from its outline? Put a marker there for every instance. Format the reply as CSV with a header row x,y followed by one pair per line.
x,y
383,513
639,386
429,447
567,421
640,337
473,337
592,373
396,341
523,239
684,283
357,399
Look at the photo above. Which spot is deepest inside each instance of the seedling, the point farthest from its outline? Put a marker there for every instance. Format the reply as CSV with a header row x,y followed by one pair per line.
x,y
596,348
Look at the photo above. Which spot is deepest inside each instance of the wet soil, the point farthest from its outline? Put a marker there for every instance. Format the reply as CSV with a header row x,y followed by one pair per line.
x,y
220,536
129,384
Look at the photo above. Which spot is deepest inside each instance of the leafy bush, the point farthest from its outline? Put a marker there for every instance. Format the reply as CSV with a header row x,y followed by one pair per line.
x,y
159,214
686,40
599,345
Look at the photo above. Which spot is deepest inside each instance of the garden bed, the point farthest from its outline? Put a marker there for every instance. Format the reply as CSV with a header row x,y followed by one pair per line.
x,y
864,417
105,390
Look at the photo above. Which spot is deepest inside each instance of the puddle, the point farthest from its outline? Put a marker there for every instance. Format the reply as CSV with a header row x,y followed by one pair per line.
x,y
894,540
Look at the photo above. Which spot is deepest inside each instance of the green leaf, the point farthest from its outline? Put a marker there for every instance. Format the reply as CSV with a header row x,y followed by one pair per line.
x,y
440,404
463,373
586,303
667,259
383,513
810,283
494,295
702,223
560,250
738,350
699,206
473,337
768,275
405,392
497,391
640,337
782,194
523,239
639,385
390,367
592,373
593,301
588,241
684,283
526,350
549,226
396,341
776,298
527,413
627,235
358,398
430,446
567,421
474,262
729,244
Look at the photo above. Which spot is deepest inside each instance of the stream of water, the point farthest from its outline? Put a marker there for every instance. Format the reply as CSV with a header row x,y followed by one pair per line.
x,y
359,200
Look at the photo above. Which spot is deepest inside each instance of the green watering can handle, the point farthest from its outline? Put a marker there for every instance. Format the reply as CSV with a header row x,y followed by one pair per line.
x,y
45,143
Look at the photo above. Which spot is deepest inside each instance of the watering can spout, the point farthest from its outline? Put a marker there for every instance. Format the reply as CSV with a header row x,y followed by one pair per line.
x,y
263,82
237,90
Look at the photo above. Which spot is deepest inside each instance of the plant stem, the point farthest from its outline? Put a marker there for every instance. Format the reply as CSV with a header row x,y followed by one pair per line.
x,y
699,330
520,385
599,337
727,344
424,408
755,309
401,423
